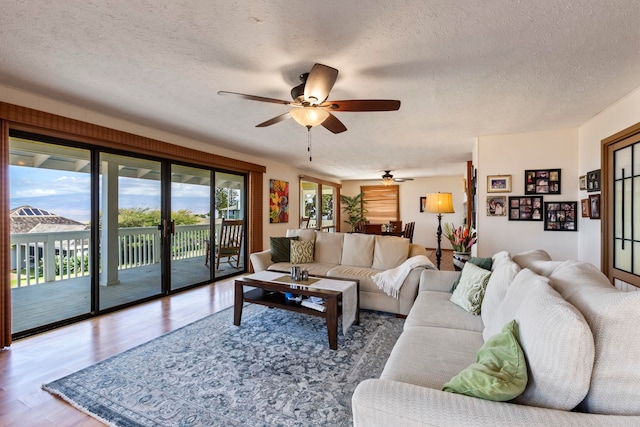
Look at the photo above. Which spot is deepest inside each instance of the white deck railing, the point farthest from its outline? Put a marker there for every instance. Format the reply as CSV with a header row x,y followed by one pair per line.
x,y
61,255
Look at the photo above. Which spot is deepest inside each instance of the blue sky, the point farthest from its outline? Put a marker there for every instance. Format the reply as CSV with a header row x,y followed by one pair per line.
x,y
67,193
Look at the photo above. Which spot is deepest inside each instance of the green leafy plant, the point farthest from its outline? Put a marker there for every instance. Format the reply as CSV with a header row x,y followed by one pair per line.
x,y
354,209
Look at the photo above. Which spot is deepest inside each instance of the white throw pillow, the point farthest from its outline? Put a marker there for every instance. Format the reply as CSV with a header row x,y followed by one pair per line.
x,y
614,318
501,277
558,345
470,290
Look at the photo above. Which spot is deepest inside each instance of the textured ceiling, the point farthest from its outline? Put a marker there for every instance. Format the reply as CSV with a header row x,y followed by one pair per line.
x,y
461,69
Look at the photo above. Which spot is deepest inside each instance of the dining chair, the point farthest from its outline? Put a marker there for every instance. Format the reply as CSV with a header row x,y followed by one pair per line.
x,y
408,231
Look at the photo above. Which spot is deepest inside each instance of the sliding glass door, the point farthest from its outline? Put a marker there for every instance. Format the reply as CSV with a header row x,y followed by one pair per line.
x,y
130,229
93,230
50,201
190,254
228,248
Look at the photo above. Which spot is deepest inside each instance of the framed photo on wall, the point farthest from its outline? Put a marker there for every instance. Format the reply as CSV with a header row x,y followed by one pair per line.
x,y
525,208
593,181
542,181
583,182
586,208
560,216
496,205
594,206
423,203
499,184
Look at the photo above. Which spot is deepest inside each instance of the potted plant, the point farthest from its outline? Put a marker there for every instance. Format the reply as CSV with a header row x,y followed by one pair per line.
x,y
462,239
354,210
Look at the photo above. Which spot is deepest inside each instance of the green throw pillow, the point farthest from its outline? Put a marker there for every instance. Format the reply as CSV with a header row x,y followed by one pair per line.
x,y
500,371
470,291
301,251
485,263
281,248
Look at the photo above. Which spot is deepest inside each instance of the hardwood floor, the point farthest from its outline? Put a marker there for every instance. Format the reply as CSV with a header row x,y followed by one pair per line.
x,y
31,362
37,360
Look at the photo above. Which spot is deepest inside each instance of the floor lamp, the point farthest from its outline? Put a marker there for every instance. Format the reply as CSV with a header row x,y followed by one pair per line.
x,y
439,203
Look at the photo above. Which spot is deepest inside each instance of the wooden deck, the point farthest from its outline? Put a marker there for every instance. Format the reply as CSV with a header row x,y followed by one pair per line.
x,y
42,304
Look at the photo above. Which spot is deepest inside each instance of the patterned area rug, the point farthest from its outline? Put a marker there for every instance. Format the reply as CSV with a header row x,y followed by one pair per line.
x,y
274,370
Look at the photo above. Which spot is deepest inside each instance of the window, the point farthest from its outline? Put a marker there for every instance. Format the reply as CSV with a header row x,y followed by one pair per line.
x,y
315,192
382,203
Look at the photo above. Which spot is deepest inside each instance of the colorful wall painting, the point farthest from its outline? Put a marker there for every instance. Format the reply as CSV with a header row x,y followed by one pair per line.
x,y
278,201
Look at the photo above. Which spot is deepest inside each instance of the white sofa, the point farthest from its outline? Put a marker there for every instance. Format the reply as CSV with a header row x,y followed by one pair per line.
x,y
356,256
580,337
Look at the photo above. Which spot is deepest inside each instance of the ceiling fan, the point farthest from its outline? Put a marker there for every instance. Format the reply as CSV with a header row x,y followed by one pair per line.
x,y
388,179
310,105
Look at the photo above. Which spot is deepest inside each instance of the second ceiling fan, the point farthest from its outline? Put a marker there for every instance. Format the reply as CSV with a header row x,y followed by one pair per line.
x,y
310,105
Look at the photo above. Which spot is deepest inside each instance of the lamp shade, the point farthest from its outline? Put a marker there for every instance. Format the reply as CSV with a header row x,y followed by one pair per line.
x,y
309,116
439,203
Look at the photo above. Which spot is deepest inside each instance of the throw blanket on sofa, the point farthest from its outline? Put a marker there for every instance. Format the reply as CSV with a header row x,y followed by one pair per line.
x,y
390,281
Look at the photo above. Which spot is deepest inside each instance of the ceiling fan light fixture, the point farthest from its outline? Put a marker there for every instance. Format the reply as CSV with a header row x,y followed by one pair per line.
x,y
309,116
387,178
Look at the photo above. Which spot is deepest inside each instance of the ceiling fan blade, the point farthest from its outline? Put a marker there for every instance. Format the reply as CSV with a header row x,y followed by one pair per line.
x,y
363,105
254,97
319,83
334,125
276,119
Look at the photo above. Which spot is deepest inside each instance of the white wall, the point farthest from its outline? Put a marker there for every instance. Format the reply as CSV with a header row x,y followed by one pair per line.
x,y
511,155
410,193
617,117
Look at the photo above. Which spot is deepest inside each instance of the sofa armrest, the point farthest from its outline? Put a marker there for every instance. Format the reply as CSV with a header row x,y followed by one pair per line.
x,y
261,260
390,403
415,249
437,280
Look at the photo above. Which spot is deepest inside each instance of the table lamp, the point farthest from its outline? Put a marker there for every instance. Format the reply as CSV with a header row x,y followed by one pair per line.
x,y
439,203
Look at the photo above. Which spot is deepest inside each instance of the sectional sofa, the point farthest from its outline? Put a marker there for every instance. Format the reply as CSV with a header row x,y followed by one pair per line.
x,y
580,337
356,256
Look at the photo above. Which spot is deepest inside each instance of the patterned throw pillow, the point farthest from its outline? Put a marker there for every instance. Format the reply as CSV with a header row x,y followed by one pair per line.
x,y
470,290
301,251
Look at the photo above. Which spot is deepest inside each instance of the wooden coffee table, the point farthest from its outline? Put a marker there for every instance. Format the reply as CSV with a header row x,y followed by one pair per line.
x,y
272,294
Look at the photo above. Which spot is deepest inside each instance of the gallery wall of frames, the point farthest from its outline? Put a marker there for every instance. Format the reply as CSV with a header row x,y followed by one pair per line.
x,y
531,206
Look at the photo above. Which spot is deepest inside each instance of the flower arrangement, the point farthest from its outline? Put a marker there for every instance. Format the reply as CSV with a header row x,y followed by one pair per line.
x,y
461,238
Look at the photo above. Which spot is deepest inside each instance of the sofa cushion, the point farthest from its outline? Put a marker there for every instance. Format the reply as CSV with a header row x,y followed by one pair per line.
x,y
502,275
302,233
429,356
556,340
301,251
538,261
433,308
357,249
281,248
328,248
613,317
389,252
500,371
363,274
470,290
